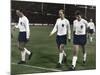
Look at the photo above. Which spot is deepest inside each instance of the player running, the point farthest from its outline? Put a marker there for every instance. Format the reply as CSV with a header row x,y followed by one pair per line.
x,y
79,38
24,34
91,30
62,27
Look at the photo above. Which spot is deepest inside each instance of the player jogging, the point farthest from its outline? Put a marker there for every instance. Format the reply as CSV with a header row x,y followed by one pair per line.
x,y
24,34
79,38
62,27
91,30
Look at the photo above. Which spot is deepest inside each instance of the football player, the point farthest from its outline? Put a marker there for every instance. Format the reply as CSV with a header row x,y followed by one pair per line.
x,y
79,38
24,35
91,27
62,27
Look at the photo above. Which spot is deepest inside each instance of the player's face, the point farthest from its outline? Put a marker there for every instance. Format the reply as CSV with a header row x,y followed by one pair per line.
x,y
19,14
78,17
61,14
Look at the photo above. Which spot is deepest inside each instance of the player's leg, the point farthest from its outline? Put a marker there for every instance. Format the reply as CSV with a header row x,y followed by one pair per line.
x,y
84,53
22,46
61,41
83,43
61,49
75,53
76,44
29,53
23,53
62,54
91,35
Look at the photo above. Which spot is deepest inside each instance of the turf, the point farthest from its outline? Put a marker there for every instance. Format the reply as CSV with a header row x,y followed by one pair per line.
x,y
45,53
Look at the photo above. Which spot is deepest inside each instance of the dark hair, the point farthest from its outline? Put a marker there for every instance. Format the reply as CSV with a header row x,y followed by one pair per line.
x,y
20,10
77,13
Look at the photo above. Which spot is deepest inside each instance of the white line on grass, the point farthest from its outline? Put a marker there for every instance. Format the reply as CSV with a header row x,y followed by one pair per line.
x,y
38,67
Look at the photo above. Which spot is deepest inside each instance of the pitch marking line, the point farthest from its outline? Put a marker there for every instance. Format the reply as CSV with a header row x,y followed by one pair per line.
x,y
38,67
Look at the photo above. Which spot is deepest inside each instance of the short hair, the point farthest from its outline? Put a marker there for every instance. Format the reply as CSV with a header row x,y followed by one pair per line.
x,y
77,13
62,10
20,10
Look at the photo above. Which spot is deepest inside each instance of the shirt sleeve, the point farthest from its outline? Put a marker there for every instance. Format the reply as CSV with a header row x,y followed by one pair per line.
x,y
69,31
27,28
54,29
74,27
93,27
17,26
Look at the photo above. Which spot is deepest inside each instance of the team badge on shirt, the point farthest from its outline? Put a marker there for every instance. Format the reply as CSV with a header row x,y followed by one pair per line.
x,y
62,25
81,26
20,23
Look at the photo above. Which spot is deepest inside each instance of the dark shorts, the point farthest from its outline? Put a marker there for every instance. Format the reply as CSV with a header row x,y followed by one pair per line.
x,y
91,31
61,39
79,39
22,37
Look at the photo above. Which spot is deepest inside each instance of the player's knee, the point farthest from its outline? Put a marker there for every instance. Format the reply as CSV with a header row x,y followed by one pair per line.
x,y
61,48
21,48
75,53
62,45
83,46
75,50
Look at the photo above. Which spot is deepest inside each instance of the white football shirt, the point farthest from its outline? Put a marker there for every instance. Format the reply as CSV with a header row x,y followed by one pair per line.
x,y
80,27
91,25
62,26
23,25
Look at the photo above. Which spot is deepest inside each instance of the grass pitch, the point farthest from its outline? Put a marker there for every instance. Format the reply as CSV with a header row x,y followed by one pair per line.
x,y
45,53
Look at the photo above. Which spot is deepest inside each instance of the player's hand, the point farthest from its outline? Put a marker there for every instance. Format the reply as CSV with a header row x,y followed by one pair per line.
x,y
50,35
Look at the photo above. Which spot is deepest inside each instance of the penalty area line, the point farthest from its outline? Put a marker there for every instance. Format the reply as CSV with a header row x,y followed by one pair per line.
x,y
50,69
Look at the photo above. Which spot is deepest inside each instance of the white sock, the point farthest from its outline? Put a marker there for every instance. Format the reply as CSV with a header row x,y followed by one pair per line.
x,y
84,57
23,55
60,57
64,53
74,60
27,51
91,39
